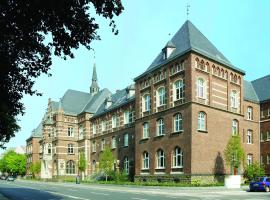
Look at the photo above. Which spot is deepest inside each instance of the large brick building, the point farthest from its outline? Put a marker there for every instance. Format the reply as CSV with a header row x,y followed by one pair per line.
x,y
175,121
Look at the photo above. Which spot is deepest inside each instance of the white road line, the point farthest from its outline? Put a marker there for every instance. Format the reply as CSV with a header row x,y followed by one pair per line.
x,y
99,193
138,198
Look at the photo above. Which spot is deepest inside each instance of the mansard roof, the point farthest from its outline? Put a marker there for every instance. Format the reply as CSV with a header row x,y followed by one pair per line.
x,y
119,98
37,132
250,93
262,88
189,38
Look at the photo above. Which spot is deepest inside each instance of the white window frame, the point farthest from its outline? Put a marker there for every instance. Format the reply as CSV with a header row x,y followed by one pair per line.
x,y
235,125
160,97
81,132
234,101
70,149
126,138
126,117
103,126
126,165
268,136
250,113
178,90
114,121
113,142
94,128
103,142
160,159
145,160
178,122
202,121
145,130
160,126
201,88
249,159
146,102
70,132
177,158
249,137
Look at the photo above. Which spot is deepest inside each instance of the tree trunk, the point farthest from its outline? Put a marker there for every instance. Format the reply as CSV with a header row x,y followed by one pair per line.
x,y
106,177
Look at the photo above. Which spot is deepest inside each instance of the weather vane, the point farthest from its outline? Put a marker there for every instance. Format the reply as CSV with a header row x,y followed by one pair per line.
x,y
188,6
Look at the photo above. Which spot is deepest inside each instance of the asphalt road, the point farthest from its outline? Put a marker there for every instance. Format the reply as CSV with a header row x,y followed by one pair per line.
x,y
29,190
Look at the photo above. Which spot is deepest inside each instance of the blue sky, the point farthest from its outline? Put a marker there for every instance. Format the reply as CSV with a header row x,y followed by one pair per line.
x,y
239,29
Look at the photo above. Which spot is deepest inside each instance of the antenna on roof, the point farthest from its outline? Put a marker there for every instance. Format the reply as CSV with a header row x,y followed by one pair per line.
x,y
188,6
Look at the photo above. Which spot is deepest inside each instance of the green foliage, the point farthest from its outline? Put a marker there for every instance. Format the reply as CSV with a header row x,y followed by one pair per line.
x,y
120,176
13,163
254,170
234,152
106,161
82,162
35,168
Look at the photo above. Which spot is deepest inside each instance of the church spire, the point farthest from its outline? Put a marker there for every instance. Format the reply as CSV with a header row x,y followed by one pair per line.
x,y
94,86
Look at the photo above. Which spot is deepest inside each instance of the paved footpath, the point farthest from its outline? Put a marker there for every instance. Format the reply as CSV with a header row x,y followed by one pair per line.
x,y
33,190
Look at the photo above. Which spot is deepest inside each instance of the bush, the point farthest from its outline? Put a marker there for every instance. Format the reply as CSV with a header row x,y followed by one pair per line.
x,y
254,170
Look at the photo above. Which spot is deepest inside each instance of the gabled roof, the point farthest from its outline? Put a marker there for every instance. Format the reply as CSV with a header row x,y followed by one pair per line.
x,y
189,38
37,132
118,99
249,92
262,88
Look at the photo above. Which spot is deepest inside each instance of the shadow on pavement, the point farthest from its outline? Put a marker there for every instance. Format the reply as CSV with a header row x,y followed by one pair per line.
x,y
28,194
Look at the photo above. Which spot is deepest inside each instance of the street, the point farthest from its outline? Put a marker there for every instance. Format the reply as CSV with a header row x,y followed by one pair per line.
x,y
31,190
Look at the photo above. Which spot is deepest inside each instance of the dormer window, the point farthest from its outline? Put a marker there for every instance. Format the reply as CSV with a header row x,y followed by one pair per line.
x,y
167,50
108,102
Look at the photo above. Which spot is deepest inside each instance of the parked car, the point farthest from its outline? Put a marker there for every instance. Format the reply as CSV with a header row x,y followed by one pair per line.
x,y
3,177
260,184
11,178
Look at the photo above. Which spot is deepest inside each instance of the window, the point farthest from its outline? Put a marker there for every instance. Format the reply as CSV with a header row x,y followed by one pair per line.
x,y
146,102
146,130
261,137
126,117
103,126
126,140
268,159
49,149
113,142
145,160
178,125
70,167
234,127
94,146
161,96
94,165
249,137
126,165
268,136
114,121
178,92
234,99
262,113
94,128
129,117
268,112
249,159
160,159
81,132
249,113
202,121
70,149
102,144
200,88
177,157
160,127
70,131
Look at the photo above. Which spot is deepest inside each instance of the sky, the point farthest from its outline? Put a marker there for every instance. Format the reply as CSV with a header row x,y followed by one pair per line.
x,y
239,29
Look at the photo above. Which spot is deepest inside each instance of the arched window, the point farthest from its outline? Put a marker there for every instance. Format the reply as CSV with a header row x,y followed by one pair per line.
x,y
161,96
234,99
145,160
200,88
177,157
249,137
70,149
160,127
126,165
70,167
196,63
160,157
222,73
178,123
250,113
145,130
234,127
218,71
213,69
94,166
201,121
178,91
146,102
49,149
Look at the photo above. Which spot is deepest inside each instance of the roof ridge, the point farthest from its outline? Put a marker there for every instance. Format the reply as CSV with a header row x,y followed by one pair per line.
x,y
253,89
266,76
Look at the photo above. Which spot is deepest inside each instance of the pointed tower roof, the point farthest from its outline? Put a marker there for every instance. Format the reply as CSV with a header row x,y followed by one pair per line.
x,y
94,76
189,38
94,88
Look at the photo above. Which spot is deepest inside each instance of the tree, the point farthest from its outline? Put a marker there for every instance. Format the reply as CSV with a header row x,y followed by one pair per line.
x,y
106,161
35,168
234,153
14,163
253,170
30,32
82,164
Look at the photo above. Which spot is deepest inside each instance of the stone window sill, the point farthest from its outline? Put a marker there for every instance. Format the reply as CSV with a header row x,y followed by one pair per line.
x,y
177,132
159,136
202,131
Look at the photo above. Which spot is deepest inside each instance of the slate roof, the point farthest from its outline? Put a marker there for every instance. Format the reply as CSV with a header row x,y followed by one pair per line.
x,y
37,132
189,38
118,99
250,93
262,88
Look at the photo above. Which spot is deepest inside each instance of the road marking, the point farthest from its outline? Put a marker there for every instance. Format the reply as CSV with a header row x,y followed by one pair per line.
x,y
69,196
138,198
99,193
